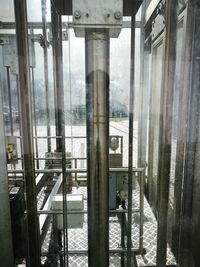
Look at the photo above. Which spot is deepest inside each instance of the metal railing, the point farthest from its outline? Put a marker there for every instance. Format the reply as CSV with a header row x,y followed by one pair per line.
x,y
47,209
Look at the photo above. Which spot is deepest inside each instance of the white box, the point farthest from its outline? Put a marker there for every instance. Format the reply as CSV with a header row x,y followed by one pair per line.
x,y
74,203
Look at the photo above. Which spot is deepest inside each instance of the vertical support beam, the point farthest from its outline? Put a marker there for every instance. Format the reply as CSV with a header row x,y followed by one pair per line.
x,y
166,129
130,254
56,25
97,103
58,73
6,247
9,98
33,242
143,97
34,115
46,73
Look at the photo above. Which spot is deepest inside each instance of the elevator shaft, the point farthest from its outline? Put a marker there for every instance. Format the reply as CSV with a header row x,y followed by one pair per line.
x,y
97,104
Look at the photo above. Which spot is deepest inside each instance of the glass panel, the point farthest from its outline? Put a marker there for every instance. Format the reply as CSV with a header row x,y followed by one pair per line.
x,y
156,91
177,91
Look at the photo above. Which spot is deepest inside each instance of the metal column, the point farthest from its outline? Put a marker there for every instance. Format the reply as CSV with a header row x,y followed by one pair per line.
x,y
9,99
6,248
58,73
46,73
33,242
97,103
59,115
166,130
143,95
130,254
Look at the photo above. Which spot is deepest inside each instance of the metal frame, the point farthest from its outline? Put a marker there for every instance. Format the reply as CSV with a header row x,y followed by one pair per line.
x,y
33,244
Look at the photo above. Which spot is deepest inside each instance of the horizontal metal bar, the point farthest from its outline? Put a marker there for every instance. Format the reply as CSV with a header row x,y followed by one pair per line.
x,y
57,137
85,252
59,158
38,25
51,212
125,169
37,158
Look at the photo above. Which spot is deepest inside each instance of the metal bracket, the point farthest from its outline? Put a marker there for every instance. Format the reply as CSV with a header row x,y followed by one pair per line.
x,y
104,14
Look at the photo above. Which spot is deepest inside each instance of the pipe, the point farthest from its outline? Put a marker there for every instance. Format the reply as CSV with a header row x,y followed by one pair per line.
x,y
97,105
6,247
33,242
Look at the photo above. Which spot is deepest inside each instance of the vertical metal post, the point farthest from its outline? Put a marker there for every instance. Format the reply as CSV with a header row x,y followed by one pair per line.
x,y
123,233
75,165
34,116
46,73
18,105
166,130
58,73
142,175
143,97
6,247
97,103
130,254
9,98
33,242
19,112
56,23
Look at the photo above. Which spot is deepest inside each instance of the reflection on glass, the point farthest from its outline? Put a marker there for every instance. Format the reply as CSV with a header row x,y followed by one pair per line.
x,y
177,92
156,87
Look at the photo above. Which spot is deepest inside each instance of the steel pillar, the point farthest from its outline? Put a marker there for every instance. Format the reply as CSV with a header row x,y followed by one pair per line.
x,y
46,73
6,248
131,261
33,242
9,99
58,74
97,103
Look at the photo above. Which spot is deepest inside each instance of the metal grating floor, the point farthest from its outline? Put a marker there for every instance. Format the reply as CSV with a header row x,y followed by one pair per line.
x,y
77,238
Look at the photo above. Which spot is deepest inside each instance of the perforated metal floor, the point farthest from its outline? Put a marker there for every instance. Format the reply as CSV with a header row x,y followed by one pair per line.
x,y
77,238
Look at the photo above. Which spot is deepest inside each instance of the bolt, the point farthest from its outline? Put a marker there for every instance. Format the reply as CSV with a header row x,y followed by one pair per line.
x,y
118,15
77,14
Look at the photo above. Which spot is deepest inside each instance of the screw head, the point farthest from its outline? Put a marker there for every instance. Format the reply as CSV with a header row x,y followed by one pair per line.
x,y
77,14
118,15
